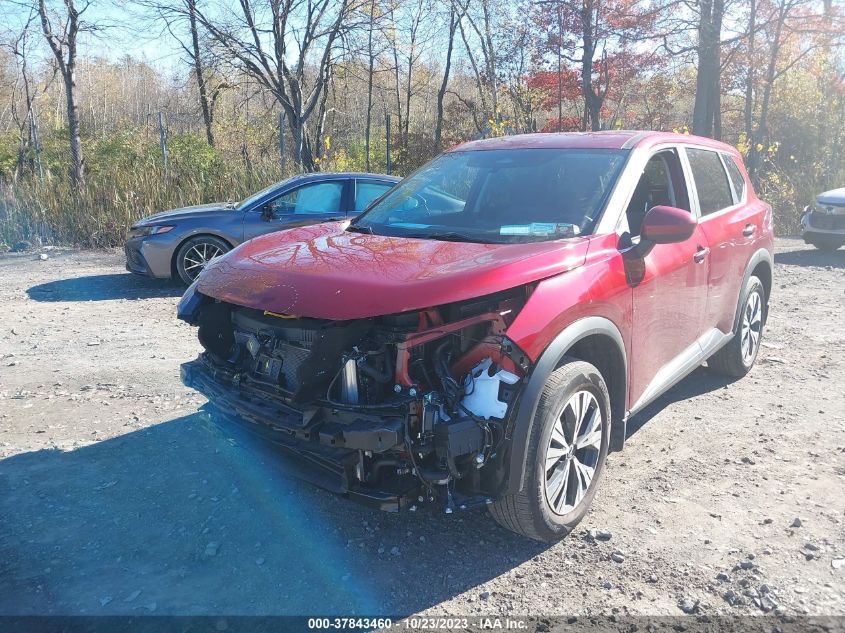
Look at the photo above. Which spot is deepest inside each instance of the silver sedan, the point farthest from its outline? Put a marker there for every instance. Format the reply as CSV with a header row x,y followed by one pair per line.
x,y
179,243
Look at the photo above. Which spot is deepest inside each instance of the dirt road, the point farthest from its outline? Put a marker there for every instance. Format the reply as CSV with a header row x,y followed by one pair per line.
x,y
117,496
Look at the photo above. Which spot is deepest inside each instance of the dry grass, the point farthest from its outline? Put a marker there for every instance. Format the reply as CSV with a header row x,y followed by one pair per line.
x,y
112,200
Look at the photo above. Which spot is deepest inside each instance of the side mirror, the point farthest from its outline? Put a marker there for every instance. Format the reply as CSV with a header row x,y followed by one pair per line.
x,y
667,225
267,211
806,210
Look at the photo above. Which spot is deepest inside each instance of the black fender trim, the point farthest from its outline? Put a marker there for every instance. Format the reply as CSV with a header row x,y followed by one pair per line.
x,y
529,398
761,256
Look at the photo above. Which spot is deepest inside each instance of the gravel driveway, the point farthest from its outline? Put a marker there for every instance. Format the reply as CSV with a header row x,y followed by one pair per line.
x,y
118,496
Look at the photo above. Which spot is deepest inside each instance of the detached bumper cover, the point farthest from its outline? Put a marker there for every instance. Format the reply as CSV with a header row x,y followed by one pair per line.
x,y
325,444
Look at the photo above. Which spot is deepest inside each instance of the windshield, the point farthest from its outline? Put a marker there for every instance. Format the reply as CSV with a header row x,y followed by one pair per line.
x,y
499,196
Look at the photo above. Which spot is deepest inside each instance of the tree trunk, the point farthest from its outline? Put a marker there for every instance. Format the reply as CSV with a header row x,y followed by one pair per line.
x,y
491,60
707,83
202,85
441,93
63,47
592,100
748,111
76,159
761,134
370,71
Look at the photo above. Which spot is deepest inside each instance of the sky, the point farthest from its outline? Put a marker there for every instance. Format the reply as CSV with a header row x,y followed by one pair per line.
x,y
125,32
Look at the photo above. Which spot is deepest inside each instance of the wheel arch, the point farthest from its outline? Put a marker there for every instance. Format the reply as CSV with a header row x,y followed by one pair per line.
x,y
595,340
761,265
173,270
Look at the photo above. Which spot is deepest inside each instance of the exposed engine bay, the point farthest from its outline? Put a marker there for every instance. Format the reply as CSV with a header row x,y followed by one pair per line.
x,y
395,410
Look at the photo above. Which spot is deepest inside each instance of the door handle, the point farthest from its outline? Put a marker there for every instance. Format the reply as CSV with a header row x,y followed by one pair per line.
x,y
700,254
749,229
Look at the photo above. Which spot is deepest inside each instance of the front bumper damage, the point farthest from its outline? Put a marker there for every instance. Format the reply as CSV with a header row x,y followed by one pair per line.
x,y
391,411
326,445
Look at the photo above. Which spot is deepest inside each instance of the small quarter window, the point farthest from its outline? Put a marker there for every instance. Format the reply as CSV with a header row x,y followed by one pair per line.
x,y
737,178
711,181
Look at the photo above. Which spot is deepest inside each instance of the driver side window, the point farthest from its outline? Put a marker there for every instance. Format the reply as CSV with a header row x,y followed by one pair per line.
x,y
661,183
314,198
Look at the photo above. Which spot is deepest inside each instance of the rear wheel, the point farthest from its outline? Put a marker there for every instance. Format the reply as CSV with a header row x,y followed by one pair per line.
x,y
826,245
196,253
566,454
738,357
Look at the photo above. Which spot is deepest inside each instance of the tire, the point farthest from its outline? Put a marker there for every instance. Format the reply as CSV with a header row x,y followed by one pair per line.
x,y
530,512
734,358
195,254
827,247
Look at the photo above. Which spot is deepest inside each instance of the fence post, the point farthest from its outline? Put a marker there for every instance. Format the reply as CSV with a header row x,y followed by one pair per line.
x,y
36,142
387,130
162,137
282,142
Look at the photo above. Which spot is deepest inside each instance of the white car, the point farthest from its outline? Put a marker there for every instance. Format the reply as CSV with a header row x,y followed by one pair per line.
x,y
823,226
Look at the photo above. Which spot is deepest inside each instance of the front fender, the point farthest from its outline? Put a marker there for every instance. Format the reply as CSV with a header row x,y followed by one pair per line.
x,y
523,420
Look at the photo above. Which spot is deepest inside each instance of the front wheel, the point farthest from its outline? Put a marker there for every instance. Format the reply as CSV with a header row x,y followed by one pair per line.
x,y
827,246
196,253
566,454
738,356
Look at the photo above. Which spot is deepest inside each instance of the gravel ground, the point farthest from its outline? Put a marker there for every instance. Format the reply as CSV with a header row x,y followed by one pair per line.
x,y
118,496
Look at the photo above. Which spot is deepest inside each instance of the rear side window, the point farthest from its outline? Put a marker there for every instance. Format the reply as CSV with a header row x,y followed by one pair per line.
x,y
711,181
736,176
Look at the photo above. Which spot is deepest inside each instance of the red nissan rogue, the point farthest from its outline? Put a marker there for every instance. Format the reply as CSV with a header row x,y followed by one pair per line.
x,y
482,333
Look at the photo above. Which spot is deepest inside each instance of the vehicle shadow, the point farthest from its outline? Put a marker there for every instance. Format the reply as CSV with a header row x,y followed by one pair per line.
x,y
104,288
811,256
186,518
699,382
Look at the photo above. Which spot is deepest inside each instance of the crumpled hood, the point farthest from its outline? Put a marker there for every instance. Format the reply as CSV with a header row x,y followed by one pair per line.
x,y
323,271
185,212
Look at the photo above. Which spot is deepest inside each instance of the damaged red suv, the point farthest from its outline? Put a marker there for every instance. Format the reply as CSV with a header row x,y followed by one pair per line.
x,y
482,333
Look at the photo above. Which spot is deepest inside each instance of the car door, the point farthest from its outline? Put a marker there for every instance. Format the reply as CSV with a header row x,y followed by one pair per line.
x,y
732,227
367,190
309,203
669,281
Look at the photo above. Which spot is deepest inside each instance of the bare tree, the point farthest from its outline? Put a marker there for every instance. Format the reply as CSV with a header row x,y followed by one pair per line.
x,y
484,70
409,33
260,45
180,21
24,88
593,90
456,12
748,109
61,32
375,18
206,104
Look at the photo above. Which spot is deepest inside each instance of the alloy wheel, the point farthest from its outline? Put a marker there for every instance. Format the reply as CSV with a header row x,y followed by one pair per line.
x,y
573,452
198,256
752,323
